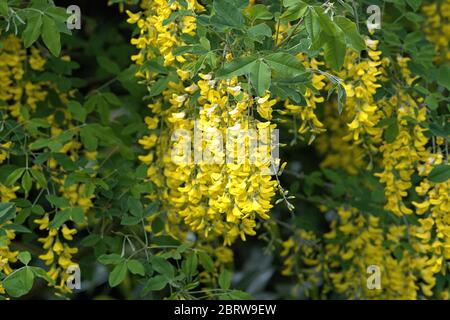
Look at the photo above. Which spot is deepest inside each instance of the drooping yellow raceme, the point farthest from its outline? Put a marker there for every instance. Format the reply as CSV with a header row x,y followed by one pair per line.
x,y
7,255
301,255
437,27
21,97
215,198
58,255
359,246
307,114
362,79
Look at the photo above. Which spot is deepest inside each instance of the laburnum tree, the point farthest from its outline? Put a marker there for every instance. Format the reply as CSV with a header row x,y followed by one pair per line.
x,y
91,189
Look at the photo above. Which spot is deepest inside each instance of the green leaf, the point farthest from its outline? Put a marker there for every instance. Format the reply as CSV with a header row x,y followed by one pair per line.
x,y
440,131
19,283
32,30
26,182
58,202
352,36
190,264
237,67
414,17
239,295
136,267
112,258
312,25
14,176
128,220
154,284
91,240
59,219
260,77
7,212
225,279
24,257
162,266
285,64
88,138
291,3
108,65
444,76
335,52
157,225
39,177
206,261
4,8
59,14
227,14
432,102
51,36
118,274
440,173
259,32
135,207
17,227
415,4
391,133
40,143
76,109
326,25
259,11
295,11
342,98
76,214
41,273
159,86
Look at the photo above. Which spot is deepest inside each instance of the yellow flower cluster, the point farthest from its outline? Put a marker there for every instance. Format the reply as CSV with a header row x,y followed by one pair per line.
x,y
353,134
307,113
214,197
4,147
22,97
437,27
337,151
158,38
401,157
19,92
7,256
302,259
411,256
59,254
356,242
362,79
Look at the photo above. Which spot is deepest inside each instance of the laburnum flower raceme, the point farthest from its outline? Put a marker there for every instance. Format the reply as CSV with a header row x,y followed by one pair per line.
x,y
214,200
23,96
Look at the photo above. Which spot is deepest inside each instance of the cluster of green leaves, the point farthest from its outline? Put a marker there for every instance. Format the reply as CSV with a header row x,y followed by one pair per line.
x,y
170,265
34,20
20,281
402,34
253,38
